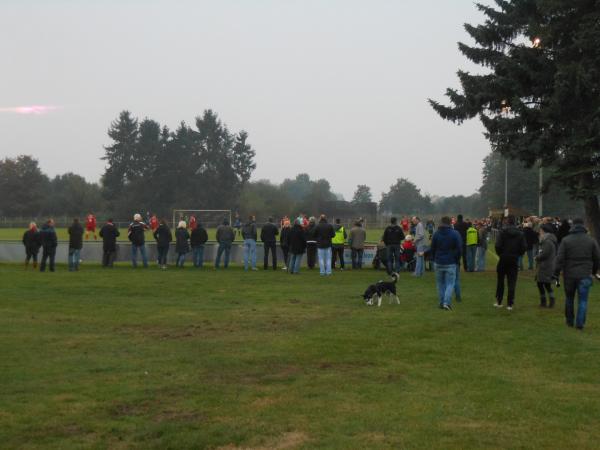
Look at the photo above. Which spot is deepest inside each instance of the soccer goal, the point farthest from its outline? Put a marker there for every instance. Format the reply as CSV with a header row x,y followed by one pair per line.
x,y
209,218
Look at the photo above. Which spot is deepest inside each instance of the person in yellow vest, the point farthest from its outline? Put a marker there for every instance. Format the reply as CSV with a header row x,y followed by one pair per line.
x,y
338,242
472,241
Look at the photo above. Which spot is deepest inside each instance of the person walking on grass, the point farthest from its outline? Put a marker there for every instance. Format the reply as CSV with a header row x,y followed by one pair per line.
x,y
419,242
531,237
356,241
75,244
225,237
548,246
182,243
268,234
338,244
482,245
324,234
249,235
392,238
472,241
136,236
297,240
578,259
32,242
49,243
284,241
510,245
163,238
198,238
109,234
311,242
446,247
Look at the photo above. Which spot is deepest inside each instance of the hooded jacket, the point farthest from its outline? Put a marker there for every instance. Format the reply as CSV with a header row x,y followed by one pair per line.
x,y
48,237
545,258
163,236
109,234
578,254
393,235
225,234
446,246
32,241
76,236
297,240
511,244
324,233
198,237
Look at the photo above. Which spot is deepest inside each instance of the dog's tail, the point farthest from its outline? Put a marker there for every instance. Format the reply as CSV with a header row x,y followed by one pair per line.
x,y
395,277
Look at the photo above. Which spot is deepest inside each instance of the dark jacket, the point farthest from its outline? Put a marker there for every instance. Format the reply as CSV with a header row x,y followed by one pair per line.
x,y
323,234
545,259
181,240
75,236
446,246
510,244
284,238
310,234
136,233
198,237
563,231
32,241
393,235
531,237
578,255
109,234
48,237
269,233
225,234
163,236
461,227
297,240
249,231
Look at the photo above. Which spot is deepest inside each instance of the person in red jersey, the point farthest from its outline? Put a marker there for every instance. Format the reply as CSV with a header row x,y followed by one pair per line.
x,y
405,224
90,226
193,223
153,223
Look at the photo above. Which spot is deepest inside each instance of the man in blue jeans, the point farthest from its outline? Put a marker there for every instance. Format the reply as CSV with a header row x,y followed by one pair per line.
x,y
135,233
225,236
446,247
392,238
579,259
324,233
249,234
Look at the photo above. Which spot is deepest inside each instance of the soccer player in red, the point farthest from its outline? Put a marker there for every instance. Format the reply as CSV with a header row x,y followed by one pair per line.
x,y
90,226
193,223
153,223
405,225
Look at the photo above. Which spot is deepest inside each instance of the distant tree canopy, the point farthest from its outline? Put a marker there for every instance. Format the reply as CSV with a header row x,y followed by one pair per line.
x,y
362,194
404,197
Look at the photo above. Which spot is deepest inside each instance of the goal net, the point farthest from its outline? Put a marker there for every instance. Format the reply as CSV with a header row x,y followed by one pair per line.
x,y
209,218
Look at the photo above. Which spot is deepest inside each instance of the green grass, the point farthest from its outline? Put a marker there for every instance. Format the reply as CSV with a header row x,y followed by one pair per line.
x,y
184,359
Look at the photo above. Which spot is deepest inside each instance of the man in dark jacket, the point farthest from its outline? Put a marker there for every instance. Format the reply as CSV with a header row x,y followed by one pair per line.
x,y
49,243
532,240
198,238
32,242
225,237
392,238
311,243
284,242
446,248
75,244
461,227
163,237
510,246
249,235
578,258
109,234
297,241
137,238
323,235
268,235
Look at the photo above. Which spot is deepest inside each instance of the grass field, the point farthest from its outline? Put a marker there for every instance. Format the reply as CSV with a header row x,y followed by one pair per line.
x,y
204,359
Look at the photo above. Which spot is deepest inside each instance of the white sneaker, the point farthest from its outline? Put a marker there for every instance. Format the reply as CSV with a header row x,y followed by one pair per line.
x,y
509,308
496,305
284,268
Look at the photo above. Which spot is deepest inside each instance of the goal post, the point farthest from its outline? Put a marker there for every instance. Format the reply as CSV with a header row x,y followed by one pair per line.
x,y
210,218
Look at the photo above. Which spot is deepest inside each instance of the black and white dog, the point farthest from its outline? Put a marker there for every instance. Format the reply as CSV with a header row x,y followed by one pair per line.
x,y
375,292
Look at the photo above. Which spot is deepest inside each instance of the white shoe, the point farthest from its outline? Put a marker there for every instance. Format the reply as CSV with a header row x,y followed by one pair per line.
x,y
496,305
284,268
509,308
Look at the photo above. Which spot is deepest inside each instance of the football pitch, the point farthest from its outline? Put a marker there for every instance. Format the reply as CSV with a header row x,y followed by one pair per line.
x,y
188,359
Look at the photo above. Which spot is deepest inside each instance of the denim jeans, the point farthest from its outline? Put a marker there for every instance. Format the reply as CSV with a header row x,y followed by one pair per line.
x,y
48,253
324,255
445,279
180,259
295,261
457,289
249,253
224,247
471,256
134,250
582,287
393,258
481,251
420,266
162,255
74,256
357,257
198,256
530,259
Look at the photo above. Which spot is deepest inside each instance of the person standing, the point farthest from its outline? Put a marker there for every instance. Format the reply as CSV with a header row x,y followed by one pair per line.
x,y
548,246
430,226
356,241
75,244
136,236
482,245
225,237
311,242
163,238
153,223
182,245
578,259
531,237
90,226
297,241
510,245
472,241
420,245
324,234
268,235
198,238
461,226
32,242
49,244
249,235
284,241
338,244
109,234
405,223
446,247
392,238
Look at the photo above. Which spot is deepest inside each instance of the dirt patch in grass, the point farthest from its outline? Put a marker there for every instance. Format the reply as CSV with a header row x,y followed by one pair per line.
x,y
290,440
171,415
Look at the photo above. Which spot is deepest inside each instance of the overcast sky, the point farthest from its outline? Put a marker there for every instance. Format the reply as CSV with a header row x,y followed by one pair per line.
x,y
334,88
